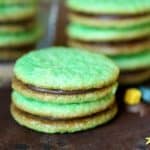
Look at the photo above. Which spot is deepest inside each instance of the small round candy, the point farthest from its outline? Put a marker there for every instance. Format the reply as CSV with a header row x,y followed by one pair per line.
x,y
145,94
132,96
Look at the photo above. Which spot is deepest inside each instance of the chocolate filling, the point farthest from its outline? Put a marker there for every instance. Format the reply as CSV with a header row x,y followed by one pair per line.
x,y
60,92
110,16
113,43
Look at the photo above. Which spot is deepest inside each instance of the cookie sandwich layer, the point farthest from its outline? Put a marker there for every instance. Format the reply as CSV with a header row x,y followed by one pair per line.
x,y
78,87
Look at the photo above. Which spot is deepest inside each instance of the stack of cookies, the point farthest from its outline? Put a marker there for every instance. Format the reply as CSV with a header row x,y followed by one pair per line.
x,y
58,90
119,29
19,30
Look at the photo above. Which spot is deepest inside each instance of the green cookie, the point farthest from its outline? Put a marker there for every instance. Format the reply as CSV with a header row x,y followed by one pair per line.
x,y
61,111
110,6
111,14
21,38
62,126
113,48
85,33
17,2
9,13
63,99
66,69
59,89
17,27
133,62
115,21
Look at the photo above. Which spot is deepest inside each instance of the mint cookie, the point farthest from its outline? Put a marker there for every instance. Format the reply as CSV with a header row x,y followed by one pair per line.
x,y
119,29
64,84
19,29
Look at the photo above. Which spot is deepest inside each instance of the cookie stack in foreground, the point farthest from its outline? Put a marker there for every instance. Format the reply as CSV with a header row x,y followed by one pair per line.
x,y
60,90
19,31
119,29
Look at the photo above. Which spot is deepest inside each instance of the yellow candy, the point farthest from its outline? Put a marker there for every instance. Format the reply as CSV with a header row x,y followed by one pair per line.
x,y
132,96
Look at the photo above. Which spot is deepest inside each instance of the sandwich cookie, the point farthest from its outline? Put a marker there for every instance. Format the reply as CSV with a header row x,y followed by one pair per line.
x,y
13,45
18,2
134,68
17,15
109,14
74,94
113,48
49,125
15,12
109,7
112,42
119,30
17,26
91,34
19,29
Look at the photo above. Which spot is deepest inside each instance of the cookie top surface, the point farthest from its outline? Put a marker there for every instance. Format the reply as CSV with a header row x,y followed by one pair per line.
x,y
110,6
86,33
66,69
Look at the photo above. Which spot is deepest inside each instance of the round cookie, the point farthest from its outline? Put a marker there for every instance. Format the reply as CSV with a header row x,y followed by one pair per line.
x,y
120,14
9,13
18,2
61,111
109,14
62,126
107,20
63,99
76,89
85,70
133,62
21,38
113,48
119,30
16,43
92,34
16,27
110,7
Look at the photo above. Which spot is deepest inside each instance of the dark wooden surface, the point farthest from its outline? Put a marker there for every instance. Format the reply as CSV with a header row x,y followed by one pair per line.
x,y
126,132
